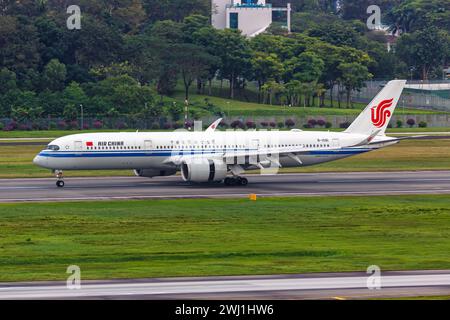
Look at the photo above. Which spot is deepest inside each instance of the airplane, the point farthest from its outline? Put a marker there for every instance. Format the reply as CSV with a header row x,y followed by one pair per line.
x,y
222,156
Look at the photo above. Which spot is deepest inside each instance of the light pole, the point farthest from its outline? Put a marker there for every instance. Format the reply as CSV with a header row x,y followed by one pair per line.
x,y
412,69
186,114
82,116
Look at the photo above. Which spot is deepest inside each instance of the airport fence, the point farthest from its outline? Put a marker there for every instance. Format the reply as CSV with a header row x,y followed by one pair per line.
x,y
421,97
257,122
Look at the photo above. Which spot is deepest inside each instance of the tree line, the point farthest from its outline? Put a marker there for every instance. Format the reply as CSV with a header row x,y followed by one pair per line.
x,y
130,54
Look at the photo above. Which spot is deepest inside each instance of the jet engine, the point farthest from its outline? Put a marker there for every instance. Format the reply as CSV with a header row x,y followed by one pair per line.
x,y
203,170
151,173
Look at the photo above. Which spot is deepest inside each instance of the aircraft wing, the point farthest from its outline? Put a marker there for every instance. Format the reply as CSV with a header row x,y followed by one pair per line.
x,y
272,155
261,155
394,140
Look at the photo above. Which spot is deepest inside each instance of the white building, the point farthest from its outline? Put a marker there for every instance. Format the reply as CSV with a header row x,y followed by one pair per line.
x,y
252,17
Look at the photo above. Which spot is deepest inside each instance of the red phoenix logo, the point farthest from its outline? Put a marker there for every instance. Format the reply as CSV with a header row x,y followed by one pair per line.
x,y
381,113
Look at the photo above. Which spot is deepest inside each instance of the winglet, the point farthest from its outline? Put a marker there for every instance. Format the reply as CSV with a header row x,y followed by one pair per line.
x,y
213,127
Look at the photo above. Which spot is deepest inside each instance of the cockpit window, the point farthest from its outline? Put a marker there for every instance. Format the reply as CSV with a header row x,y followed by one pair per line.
x,y
53,147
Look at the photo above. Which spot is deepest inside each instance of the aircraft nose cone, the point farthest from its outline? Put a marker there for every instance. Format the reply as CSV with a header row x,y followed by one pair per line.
x,y
39,161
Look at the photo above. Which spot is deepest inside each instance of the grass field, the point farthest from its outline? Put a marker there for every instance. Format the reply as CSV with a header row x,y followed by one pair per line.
x,y
241,108
16,161
437,298
245,105
223,237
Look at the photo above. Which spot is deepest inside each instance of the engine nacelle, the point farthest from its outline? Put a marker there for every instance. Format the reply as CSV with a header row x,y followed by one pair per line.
x,y
151,173
204,170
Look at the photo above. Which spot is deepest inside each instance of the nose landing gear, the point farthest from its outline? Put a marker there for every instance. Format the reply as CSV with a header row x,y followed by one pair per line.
x,y
60,182
236,181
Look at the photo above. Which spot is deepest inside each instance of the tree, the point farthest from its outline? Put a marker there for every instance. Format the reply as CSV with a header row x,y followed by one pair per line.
x,y
424,49
112,70
338,33
353,77
124,94
158,56
8,81
309,5
70,112
307,67
319,91
167,30
356,9
265,67
293,92
54,75
284,47
384,65
74,95
208,38
412,15
333,56
19,45
305,21
193,24
53,39
235,56
193,62
131,15
52,102
95,44
175,10
272,89
24,104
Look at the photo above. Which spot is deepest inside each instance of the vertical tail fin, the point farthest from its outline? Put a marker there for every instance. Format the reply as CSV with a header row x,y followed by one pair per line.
x,y
378,113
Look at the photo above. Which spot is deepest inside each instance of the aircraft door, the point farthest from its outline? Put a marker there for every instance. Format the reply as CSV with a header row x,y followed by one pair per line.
x,y
78,146
148,145
254,145
336,143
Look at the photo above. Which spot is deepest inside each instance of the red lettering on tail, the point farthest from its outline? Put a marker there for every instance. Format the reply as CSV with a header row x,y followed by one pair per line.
x,y
380,114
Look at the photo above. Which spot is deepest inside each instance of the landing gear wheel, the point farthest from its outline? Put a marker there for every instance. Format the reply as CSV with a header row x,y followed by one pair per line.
x,y
59,175
243,181
236,181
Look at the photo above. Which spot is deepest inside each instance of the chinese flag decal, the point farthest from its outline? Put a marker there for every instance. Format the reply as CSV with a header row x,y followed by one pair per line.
x,y
89,144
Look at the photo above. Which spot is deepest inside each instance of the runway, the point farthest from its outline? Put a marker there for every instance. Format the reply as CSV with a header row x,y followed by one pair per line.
x,y
308,286
313,184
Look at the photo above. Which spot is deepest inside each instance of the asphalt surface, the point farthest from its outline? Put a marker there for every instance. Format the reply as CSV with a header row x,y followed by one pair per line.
x,y
318,184
308,286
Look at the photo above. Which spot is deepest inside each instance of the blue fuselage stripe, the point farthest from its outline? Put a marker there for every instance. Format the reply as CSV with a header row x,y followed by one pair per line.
x,y
167,153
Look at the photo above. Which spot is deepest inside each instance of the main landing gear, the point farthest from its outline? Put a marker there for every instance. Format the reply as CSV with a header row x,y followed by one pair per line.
x,y
60,182
236,181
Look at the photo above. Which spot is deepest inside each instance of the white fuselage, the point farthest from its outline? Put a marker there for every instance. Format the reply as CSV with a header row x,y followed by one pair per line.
x,y
152,150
